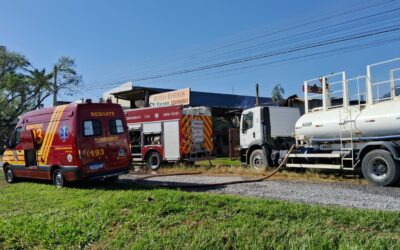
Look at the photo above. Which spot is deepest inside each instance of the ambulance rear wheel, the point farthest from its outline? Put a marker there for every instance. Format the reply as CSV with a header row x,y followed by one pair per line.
x,y
58,178
154,161
258,160
9,175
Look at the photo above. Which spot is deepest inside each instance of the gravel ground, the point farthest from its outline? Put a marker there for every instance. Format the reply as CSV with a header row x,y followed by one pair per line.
x,y
340,194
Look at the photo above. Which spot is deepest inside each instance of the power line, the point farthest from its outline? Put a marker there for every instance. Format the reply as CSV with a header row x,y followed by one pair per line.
x,y
352,11
324,28
327,52
324,53
261,56
269,54
276,53
324,18
320,54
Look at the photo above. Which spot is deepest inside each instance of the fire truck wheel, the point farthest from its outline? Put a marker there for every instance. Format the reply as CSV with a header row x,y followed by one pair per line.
x,y
154,161
58,178
258,160
379,167
9,175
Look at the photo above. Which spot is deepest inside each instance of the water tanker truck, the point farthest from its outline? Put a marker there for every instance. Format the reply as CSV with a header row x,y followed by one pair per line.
x,y
348,124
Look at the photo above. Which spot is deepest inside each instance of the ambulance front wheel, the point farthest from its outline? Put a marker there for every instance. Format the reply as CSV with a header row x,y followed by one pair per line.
x,y
154,161
10,178
58,178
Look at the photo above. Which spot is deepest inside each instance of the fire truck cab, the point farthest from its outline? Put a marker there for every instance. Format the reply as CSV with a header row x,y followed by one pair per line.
x,y
69,143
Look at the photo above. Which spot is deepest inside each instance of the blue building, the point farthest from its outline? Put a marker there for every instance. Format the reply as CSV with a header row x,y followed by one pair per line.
x,y
220,104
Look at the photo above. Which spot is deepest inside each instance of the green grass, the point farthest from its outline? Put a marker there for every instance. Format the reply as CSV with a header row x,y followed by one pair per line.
x,y
125,216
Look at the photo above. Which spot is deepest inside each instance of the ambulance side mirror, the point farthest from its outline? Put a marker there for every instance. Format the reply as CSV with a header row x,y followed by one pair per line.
x,y
10,145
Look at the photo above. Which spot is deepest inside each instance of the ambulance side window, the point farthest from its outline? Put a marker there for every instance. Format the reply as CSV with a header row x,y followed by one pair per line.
x,y
116,126
92,128
16,137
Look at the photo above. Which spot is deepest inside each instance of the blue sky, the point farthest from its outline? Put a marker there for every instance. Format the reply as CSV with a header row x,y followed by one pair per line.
x,y
114,41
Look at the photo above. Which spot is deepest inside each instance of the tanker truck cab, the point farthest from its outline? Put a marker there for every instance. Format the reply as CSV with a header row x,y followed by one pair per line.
x,y
265,135
69,143
251,128
352,124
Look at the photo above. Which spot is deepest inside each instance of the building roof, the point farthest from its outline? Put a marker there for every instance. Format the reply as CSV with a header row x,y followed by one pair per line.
x,y
197,98
224,100
138,93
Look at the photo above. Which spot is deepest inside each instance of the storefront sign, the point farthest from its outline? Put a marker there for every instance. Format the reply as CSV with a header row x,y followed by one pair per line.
x,y
177,97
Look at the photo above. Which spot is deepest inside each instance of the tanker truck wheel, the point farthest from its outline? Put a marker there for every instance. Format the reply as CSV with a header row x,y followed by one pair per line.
x,y
258,160
154,161
379,167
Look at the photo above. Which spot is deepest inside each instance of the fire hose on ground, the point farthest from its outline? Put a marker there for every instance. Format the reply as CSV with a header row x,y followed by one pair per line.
x,y
208,185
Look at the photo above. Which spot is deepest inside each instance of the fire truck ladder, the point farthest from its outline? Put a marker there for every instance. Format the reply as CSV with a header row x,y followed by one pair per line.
x,y
346,143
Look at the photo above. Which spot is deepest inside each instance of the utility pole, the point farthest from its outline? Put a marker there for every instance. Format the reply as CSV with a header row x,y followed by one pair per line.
x,y
257,96
146,98
55,87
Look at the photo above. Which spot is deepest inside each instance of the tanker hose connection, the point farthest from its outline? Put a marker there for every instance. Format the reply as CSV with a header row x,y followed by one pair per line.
x,y
209,185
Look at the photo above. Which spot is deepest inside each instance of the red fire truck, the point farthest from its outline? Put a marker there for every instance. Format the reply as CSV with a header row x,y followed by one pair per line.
x,y
69,143
170,134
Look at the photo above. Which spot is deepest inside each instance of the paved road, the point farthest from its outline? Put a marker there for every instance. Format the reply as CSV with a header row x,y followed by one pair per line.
x,y
341,194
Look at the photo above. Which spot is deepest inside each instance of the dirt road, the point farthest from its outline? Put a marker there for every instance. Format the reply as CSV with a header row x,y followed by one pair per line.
x,y
340,194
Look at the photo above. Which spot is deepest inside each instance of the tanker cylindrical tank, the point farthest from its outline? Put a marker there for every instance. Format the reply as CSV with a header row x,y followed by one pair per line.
x,y
367,122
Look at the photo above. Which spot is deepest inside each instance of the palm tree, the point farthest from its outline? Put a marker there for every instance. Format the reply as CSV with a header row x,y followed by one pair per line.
x,y
277,93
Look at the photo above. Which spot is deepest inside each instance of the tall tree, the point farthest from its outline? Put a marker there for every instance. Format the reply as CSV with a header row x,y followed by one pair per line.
x,y
24,88
277,93
11,64
13,89
42,81
65,77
